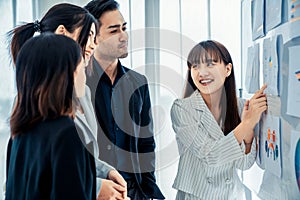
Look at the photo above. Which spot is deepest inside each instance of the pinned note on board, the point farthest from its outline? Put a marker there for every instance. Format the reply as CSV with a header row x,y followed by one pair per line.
x,y
293,98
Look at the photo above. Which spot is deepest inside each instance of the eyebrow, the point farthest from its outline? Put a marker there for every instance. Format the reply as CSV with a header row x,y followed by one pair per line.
x,y
117,26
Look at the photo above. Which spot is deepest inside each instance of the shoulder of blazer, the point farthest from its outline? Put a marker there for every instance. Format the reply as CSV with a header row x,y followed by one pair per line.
x,y
182,103
185,107
194,101
135,77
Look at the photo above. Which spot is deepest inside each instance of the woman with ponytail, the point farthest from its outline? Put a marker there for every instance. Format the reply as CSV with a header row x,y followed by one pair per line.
x,y
76,23
47,159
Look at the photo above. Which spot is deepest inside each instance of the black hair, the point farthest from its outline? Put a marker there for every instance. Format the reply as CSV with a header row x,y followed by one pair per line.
x,y
68,15
45,79
98,7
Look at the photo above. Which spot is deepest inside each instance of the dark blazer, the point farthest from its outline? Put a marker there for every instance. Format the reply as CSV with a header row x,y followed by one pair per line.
x,y
134,145
50,162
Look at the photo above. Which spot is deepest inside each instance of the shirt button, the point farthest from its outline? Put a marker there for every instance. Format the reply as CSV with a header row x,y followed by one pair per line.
x,y
209,180
108,147
117,129
227,180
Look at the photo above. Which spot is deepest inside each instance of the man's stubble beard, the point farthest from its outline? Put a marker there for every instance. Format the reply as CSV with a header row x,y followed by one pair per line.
x,y
124,55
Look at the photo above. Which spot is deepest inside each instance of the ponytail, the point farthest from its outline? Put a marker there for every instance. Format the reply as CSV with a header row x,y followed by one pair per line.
x,y
19,35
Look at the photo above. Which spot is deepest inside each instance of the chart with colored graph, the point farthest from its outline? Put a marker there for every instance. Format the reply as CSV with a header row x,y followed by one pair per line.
x,y
271,147
293,98
271,141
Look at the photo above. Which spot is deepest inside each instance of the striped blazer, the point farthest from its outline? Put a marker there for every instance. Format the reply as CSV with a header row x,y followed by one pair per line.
x,y
208,159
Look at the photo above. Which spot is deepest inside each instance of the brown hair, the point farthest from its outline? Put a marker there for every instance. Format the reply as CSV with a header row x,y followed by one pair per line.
x,y
45,79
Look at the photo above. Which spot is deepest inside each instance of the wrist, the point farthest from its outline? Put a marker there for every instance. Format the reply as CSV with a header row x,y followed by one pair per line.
x,y
243,133
247,143
248,125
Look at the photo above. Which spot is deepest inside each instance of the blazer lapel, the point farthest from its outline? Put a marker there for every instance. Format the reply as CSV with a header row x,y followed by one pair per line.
x,y
205,117
83,122
86,134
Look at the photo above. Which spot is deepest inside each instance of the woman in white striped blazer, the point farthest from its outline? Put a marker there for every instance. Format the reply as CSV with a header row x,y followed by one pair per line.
x,y
213,140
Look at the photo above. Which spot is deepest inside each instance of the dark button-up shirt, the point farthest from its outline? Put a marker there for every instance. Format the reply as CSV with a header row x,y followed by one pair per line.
x,y
125,131
105,111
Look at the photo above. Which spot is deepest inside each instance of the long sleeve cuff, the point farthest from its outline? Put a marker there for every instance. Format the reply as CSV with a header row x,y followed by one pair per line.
x,y
98,185
253,146
102,168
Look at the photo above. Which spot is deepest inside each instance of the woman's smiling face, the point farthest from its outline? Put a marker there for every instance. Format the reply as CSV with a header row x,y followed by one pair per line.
x,y
209,76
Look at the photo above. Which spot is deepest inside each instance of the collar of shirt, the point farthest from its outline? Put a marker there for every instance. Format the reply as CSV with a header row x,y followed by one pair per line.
x,y
100,72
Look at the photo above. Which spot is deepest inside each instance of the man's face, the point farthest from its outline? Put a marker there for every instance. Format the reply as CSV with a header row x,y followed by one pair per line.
x,y
113,38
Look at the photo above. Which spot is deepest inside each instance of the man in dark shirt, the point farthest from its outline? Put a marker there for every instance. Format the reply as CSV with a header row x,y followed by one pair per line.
x,y
122,104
